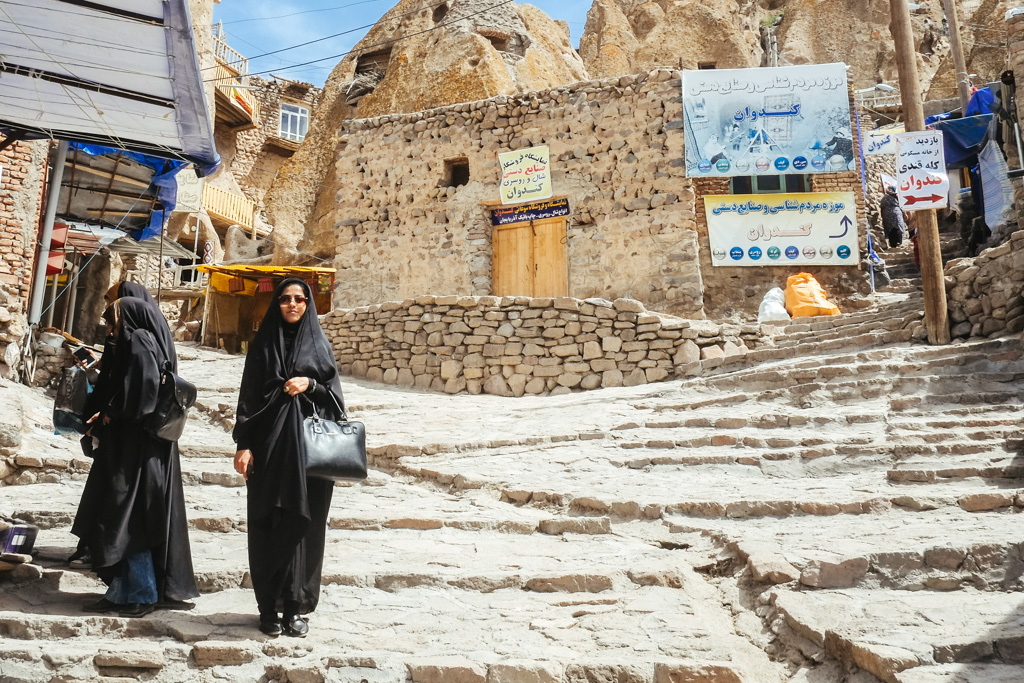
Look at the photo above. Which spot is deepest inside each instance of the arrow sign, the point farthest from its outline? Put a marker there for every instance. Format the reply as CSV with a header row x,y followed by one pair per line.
x,y
914,200
846,223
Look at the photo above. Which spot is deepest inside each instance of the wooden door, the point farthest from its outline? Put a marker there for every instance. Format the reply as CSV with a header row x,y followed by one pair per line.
x,y
530,259
551,273
513,260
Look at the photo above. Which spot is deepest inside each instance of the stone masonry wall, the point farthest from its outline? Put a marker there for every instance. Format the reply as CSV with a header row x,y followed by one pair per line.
x,y
511,346
21,187
256,161
984,293
617,155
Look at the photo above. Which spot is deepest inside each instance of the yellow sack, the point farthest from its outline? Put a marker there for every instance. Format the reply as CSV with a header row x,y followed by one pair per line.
x,y
805,297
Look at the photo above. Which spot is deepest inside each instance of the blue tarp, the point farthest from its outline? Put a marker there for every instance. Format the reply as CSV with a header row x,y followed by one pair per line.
x,y
962,139
163,180
981,102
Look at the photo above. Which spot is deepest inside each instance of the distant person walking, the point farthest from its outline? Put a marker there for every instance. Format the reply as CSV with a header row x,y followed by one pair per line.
x,y
893,224
289,367
132,513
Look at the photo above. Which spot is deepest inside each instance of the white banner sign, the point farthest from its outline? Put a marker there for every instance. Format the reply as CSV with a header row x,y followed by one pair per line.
x,y
921,181
767,121
525,175
190,191
807,228
881,141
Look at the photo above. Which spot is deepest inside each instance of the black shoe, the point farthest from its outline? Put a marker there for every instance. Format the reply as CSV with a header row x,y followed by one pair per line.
x,y
270,625
295,626
182,605
101,605
137,609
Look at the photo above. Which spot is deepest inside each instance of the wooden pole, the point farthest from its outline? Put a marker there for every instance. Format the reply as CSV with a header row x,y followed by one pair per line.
x,y
956,48
936,316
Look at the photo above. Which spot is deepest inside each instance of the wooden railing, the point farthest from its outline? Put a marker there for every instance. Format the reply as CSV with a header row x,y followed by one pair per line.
x,y
228,207
231,57
227,80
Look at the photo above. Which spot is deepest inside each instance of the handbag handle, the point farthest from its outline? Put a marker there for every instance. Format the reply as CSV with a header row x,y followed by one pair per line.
x,y
341,409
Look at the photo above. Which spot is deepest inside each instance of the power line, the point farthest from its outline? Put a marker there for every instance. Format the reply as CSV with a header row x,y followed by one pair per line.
x,y
295,14
336,35
386,42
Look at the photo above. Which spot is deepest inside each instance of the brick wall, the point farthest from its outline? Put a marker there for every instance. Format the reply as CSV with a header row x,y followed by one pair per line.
x,y
21,192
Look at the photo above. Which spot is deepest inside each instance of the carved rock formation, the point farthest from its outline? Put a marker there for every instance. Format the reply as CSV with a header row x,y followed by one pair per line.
x,y
623,36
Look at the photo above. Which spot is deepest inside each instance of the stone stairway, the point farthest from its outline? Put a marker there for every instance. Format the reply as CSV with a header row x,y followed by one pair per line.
x,y
838,508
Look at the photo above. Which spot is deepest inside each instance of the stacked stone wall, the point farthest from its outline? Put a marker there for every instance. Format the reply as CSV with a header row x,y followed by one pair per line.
x,y
511,346
21,189
635,229
984,293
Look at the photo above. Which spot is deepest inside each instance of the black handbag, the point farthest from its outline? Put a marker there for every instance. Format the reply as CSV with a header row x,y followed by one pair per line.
x,y
69,406
334,450
173,400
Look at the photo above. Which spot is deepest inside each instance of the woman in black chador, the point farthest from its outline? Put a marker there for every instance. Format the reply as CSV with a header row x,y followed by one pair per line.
x,y
289,367
132,515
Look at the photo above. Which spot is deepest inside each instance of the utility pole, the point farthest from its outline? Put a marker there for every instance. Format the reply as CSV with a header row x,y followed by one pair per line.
x,y
936,316
956,48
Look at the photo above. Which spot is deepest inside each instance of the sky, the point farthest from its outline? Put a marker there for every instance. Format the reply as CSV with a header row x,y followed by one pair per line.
x,y
256,27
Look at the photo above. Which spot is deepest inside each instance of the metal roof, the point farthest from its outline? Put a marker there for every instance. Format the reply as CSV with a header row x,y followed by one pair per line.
x,y
116,72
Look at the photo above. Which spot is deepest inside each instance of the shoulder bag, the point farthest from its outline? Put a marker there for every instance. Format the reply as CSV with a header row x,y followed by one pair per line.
x,y
174,398
335,450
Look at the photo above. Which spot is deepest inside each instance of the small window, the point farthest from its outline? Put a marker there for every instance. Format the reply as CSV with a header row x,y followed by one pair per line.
x,y
706,65
294,122
500,44
456,172
440,12
373,62
769,184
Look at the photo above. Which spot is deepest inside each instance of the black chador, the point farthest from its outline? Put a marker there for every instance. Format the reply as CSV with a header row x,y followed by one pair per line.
x,y
133,500
287,513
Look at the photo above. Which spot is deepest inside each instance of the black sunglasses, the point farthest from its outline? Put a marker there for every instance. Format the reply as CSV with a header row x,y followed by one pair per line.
x,y
286,299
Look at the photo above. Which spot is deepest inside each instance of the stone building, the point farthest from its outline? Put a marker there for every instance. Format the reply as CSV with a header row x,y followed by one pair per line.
x,y
411,215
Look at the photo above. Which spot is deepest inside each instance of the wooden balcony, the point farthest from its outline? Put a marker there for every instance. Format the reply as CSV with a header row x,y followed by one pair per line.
x,y
226,208
236,107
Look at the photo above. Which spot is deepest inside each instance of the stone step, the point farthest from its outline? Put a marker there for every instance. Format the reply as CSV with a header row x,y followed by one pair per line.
x,y
553,632
891,634
921,469
944,548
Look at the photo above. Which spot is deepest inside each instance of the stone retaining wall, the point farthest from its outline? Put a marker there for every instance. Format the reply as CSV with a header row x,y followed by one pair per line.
x,y
511,346
984,292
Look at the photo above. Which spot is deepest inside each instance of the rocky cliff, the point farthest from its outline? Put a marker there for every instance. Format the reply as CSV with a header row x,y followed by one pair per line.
x,y
631,35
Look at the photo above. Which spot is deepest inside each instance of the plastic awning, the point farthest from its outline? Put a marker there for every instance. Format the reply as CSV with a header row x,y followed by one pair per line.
x,y
122,73
246,276
962,139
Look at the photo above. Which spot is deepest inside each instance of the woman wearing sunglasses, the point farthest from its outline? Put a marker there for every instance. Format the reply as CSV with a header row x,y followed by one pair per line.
x,y
289,367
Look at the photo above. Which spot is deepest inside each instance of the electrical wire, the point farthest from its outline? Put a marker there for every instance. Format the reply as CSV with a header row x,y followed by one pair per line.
x,y
392,41
295,14
345,32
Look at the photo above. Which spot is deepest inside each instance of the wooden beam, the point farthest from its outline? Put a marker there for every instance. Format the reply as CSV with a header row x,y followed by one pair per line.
x,y
107,174
102,212
936,315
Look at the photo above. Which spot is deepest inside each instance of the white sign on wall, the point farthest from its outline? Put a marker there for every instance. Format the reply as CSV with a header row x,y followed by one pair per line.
x,y
767,121
807,228
921,180
881,141
190,191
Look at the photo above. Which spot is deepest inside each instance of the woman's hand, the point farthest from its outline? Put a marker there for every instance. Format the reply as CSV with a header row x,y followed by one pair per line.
x,y
243,460
296,385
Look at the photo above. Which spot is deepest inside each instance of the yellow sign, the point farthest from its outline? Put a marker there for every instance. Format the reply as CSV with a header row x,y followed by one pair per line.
x,y
525,175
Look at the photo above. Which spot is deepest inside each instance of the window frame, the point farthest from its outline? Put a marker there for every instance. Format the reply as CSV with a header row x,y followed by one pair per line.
x,y
300,117
789,183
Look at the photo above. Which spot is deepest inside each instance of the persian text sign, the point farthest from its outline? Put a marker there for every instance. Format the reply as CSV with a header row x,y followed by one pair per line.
x,y
525,175
190,191
921,180
530,212
808,228
767,121
881,141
